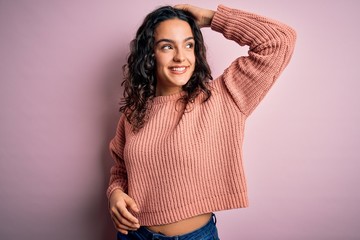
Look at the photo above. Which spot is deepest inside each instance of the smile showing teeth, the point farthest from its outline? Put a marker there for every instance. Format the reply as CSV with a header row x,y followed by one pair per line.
x,y
178,69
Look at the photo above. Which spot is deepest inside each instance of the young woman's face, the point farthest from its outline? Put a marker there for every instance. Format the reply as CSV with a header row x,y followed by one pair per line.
x,y
174,55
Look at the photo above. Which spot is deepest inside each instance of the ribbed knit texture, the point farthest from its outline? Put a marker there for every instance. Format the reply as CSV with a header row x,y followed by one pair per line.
x,y
187,162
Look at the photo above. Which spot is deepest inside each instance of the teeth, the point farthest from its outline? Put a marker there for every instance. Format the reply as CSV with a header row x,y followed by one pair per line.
x,y
178,69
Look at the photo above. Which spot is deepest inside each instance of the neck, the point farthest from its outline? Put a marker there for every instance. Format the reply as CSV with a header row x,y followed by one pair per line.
x,y
167,92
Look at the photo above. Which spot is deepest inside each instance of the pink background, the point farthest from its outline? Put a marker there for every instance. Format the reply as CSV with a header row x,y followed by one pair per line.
x,y
58,111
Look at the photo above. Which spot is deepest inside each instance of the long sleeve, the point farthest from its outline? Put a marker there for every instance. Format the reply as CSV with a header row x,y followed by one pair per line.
x,y
118,173
271,45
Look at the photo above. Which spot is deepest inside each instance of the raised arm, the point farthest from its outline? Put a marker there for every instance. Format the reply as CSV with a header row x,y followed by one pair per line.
x,y
271,45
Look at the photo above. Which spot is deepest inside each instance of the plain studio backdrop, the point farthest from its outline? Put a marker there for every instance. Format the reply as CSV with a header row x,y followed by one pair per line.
x,y
60,75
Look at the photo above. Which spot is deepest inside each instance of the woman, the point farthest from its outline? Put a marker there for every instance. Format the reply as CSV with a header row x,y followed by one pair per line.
x,y
178,144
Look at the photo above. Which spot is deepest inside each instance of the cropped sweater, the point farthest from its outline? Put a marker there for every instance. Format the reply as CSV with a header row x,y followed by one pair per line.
x,y
187,160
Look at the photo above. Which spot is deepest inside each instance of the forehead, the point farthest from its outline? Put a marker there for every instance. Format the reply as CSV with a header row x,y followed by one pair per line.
x,y
172,29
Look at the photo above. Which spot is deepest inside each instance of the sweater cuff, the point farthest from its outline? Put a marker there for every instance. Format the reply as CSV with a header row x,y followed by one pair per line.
x,y
112,188
220,18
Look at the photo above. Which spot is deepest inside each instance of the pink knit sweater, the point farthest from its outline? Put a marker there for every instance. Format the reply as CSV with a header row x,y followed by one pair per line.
x,y
185,163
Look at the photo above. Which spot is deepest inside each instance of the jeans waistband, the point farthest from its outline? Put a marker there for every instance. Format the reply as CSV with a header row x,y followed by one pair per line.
x,y
210,226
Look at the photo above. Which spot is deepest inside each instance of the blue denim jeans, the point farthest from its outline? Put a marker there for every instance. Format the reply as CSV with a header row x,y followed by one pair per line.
x,y
207,232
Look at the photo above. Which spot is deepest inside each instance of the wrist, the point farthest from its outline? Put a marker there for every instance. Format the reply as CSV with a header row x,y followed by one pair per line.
x,y
207,19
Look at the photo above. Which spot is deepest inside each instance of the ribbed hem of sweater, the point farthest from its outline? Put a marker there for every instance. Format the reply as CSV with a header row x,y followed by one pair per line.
x,y
216,203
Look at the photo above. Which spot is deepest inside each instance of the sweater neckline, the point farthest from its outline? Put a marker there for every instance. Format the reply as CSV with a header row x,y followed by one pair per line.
x,y
167,98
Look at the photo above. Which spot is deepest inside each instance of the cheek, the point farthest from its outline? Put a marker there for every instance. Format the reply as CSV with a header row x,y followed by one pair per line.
x,y
159,70
192,58
162,59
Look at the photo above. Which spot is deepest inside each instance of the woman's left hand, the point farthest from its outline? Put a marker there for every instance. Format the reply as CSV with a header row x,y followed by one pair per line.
x,y
202,16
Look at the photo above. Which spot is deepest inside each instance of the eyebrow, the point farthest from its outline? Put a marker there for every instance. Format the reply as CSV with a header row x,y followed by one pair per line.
x,y
171,41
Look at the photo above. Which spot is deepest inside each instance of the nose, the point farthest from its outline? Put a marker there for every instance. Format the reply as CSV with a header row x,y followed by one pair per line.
x,y
179,56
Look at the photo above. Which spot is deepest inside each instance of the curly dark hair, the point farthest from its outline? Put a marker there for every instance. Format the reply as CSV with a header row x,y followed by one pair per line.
x,y
140,69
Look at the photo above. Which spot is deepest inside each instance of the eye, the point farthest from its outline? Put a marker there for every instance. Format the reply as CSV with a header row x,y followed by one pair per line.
x,y
166,47
189,45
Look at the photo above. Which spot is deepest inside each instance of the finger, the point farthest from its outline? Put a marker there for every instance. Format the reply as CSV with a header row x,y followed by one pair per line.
x,y
123,231
131,203
126,222
126,214
115,213
120,210
121,226
120,219
180,6
184,7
